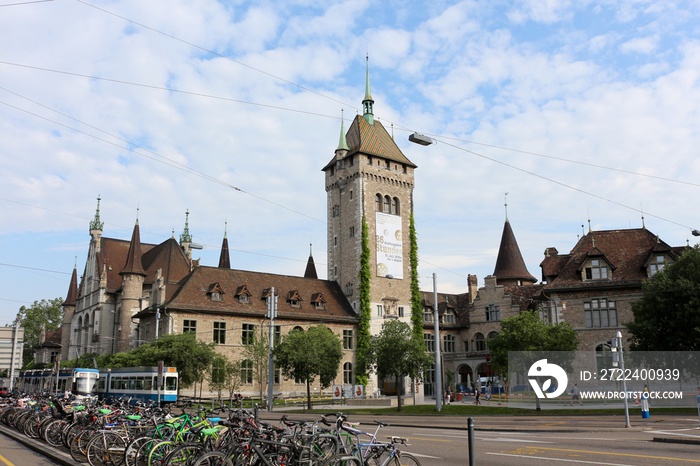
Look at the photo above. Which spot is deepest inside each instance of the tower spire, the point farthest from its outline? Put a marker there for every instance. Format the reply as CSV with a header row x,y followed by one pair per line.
x,y
225,258
310,271
368,103
185,237
342,142
96,224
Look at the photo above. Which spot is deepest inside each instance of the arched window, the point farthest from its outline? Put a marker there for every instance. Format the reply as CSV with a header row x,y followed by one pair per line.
x,y
387,204
378,202
347,373
479,342
395,206
491,336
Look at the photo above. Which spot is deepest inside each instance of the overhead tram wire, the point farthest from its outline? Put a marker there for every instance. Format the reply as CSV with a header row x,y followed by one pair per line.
x,y
560,183
166,89
258,70
578,162
351,106
204,49
158,158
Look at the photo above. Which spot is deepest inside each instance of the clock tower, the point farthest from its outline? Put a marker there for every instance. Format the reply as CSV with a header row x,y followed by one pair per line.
x,y
370,180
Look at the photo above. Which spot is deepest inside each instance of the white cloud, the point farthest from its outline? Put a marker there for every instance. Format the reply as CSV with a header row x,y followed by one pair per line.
x,y
618,92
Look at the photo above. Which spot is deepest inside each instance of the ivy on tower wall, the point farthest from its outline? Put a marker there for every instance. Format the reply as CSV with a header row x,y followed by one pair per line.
x,y
416,302
363,333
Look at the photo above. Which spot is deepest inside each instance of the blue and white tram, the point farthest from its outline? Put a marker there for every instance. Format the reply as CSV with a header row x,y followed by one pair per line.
x,y
81,381
139,383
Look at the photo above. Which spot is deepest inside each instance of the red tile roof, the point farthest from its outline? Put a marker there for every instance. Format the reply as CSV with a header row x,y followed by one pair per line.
x,y
627,251
192,295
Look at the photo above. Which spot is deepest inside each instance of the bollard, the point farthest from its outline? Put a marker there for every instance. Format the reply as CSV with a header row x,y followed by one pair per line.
x,y
470,439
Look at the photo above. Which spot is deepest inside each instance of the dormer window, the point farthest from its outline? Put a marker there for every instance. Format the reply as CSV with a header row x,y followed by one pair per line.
x,y
294,299
215,292
318,301
656,264
596,270
242,294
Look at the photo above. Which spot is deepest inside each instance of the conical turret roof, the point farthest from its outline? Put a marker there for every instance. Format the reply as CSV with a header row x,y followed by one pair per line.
x,y
72,296
510,266
134,263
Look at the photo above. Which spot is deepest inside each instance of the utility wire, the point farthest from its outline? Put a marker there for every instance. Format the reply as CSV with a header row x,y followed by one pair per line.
x,y
191,44
560,183
159,158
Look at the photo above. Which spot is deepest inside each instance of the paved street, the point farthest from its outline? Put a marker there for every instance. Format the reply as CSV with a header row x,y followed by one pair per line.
x,y
499,440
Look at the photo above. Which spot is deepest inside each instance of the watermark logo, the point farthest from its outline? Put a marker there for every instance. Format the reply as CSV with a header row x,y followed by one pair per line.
x,y
542,369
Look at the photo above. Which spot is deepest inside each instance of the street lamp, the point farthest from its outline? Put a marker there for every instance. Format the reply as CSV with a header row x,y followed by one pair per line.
x,y
424,140
438,365
617,348
421,139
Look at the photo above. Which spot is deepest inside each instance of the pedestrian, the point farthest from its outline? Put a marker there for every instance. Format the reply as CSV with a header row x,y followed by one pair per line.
x,y
67,394
576,395
477,394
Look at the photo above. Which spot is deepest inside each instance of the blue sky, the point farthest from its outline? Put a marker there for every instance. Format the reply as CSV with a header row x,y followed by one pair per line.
x,y
579,110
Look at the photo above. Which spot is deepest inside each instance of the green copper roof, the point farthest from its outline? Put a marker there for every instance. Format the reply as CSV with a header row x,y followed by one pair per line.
x,y
342,143
96,224
185,237
367,103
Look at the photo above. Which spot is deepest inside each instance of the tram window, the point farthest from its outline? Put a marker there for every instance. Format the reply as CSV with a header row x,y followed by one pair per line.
x,y
148,383
171,383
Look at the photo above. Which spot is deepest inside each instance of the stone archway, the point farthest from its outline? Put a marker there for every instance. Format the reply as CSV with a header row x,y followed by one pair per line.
x,y
466,377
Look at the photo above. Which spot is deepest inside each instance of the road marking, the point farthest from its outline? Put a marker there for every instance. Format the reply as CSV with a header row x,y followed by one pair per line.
x,y
512,440
608,453
433,440
436,435
559,459
7,462
674,432
423,456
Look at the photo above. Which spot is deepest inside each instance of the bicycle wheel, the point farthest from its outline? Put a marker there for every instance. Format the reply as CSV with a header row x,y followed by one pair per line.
x,y
342,460
156,457
214,458
405,459
79,444
143,452
184,455
324,447
106,449
132,449
53,434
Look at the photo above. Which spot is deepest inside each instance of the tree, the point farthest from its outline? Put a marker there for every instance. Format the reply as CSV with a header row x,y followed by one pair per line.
x,y
220,374
305,355
257,351
526,333
667,318
44,314
364,338
398,353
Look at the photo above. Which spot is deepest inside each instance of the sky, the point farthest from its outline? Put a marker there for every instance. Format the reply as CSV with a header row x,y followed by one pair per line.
x,y
576,114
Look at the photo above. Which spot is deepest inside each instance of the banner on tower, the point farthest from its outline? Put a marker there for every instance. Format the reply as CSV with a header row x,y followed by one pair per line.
x,y
389,246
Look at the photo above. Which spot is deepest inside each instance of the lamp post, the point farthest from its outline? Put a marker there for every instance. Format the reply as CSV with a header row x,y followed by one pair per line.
x,y
423,140
618,347
438,364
